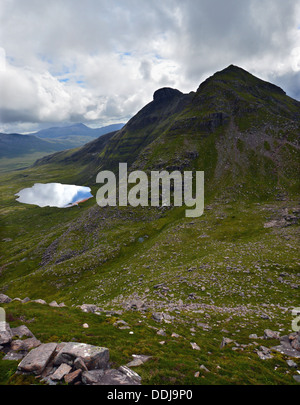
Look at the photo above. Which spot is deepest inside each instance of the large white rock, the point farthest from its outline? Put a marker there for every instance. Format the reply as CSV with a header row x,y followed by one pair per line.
x,y
37,359
94,357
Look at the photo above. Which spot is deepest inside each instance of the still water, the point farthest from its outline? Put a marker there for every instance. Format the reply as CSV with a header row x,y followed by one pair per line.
x,y
54,195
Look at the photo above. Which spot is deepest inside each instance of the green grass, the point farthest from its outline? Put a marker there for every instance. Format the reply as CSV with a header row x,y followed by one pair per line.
x,y
175,362
20,162
225,258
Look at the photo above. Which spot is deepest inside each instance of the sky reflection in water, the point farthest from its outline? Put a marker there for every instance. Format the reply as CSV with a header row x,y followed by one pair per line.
x,y
53,195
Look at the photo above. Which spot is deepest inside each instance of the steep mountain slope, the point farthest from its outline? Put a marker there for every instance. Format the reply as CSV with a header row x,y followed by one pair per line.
x,y
237,128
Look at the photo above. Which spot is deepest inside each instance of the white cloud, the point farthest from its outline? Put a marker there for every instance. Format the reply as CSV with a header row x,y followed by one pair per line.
x,y
100,62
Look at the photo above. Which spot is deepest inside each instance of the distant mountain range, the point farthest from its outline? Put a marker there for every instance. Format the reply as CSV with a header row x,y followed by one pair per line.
x,y
18,150
13,145
78,130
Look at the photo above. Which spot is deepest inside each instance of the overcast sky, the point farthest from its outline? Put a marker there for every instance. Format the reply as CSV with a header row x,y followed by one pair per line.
x,y
99,61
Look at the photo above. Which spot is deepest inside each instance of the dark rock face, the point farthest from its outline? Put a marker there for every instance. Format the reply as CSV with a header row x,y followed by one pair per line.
x,y
166,93
289,345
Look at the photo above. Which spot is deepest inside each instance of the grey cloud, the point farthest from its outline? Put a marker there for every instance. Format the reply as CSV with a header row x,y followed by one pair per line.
x,y
290,83
145,69
97,61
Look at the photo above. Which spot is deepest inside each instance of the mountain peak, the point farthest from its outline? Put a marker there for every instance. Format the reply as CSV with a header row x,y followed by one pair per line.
x,y
80,125
237,78
166,93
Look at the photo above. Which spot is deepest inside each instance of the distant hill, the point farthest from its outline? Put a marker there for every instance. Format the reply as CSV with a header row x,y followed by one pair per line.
x,y
80,130
12,145
18,151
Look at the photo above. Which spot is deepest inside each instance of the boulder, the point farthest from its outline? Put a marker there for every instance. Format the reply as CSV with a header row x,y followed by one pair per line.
x,y
270,334
62,370
21,331
54,304
15,356
37,359
135,363
80,364
4,299
264,353
141,357
287,351
39,301
73,377
291,363
26,344
90,308
296,343
204,326
130,374
92,377
121,323
116,377
289,345
225,342
94,357
195,346
157,316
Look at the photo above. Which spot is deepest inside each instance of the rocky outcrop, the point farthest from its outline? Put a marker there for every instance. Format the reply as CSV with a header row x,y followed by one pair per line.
x,y
70,362
270,334
94,357
289,345
90,308
166,93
